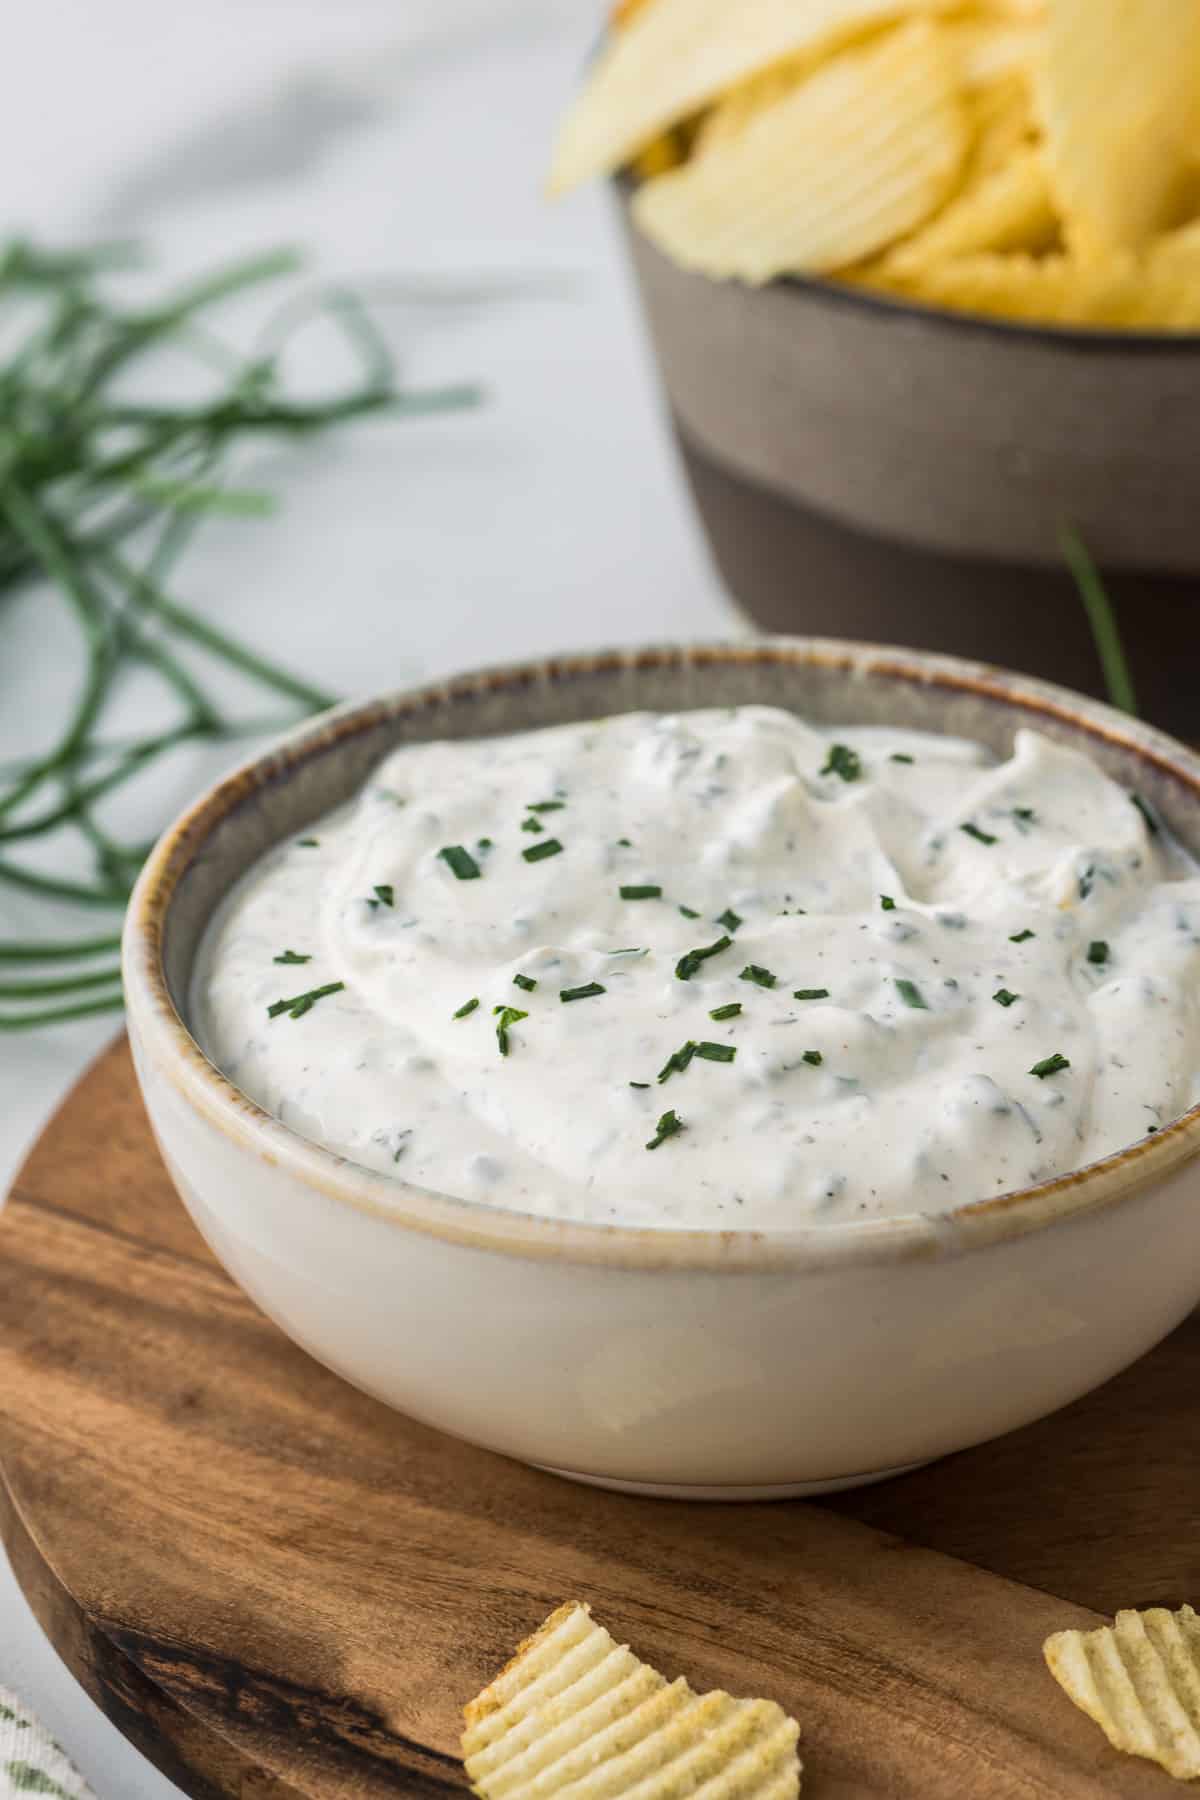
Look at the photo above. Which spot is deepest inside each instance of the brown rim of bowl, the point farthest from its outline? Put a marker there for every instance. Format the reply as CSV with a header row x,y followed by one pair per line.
x,y
173,1051
1101,339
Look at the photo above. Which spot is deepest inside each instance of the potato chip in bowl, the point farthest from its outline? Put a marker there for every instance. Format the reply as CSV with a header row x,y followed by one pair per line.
x,y
1035,160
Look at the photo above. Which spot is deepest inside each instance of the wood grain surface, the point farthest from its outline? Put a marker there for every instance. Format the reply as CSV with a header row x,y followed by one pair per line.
x,y
278,1588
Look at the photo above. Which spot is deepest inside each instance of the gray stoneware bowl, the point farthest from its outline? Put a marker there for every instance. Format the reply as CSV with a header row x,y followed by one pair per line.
x,y
890,471
731,1364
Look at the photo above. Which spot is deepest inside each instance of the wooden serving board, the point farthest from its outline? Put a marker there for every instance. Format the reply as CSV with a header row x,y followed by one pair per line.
x,y
278,1588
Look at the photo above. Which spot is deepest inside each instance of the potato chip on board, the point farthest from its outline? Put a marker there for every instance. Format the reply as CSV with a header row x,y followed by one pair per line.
x,y
1008,208
576,1715
1119,95
1139,1679
855,155
674,56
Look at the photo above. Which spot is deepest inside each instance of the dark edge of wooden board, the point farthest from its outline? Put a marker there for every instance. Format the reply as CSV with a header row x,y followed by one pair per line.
x,y
118,1669
141,1712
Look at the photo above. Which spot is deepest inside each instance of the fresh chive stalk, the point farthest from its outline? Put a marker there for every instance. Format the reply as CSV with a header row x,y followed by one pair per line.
x,y
99,495
1102,619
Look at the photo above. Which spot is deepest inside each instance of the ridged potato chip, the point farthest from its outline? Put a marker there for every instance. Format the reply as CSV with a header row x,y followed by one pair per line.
x,y
1148,294
1119,96
1002,123
577,1715
661,153
1008,208
1139,1679
772,137
674,56
1016,286
988,49
852,157
730,116
623,10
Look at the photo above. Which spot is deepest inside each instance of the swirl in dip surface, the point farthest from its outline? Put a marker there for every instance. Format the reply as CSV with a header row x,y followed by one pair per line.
x,y
927,977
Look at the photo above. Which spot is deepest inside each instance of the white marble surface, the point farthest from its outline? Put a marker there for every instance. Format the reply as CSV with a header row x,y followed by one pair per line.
x,y
392,137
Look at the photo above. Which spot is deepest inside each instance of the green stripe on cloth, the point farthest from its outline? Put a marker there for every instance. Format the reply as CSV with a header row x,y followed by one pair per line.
x,y
30,1761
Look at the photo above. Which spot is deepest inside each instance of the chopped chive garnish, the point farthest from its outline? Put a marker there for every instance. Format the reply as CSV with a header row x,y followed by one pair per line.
x,y
1097,951
911,994
811,994
483,844
689,912
386,893
726,1012
467,1007
1024,815
1022,937
670,1125
1050,1065
532,824
813,1057
525,981
506,1016
899,756
460,862
625,843
291,956
639,1084
582,993
729,919
887,903
1002,997
545,806
299,1004
537,852
724,1053
629,950
981,837
756,973
308,843
647,890
844,762
1148,813
688,964
677,1062
1087,881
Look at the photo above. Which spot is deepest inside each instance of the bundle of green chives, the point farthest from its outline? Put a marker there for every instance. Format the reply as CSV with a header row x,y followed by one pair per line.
x,y
99,495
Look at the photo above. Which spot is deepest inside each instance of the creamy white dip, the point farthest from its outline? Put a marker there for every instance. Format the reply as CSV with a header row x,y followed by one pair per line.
x,y
920,977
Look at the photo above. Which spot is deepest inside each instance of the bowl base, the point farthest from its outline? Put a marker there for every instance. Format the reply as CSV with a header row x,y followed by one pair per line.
x,y
793,569
784,1490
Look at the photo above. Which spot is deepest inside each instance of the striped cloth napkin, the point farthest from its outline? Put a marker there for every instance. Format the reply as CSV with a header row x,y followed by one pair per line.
x,y
30,1761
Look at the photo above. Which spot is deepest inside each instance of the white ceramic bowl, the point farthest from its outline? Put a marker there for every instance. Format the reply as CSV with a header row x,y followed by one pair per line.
x,y
734,1364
